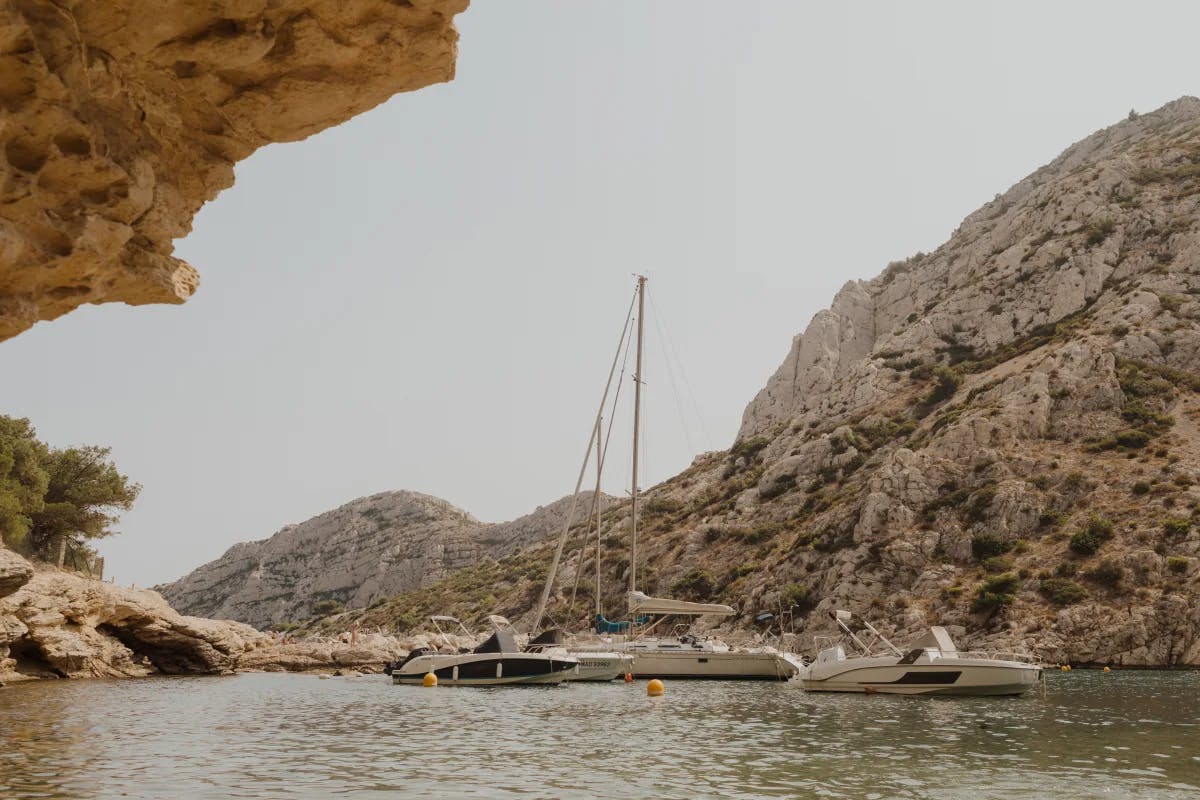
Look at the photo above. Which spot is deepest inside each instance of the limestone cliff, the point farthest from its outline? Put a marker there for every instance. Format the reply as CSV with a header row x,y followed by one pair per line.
x,y
1002,436
370,548
120,119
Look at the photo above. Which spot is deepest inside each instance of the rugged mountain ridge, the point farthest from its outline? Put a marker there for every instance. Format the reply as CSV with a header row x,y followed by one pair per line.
x,y
370,548
122,118
1000,436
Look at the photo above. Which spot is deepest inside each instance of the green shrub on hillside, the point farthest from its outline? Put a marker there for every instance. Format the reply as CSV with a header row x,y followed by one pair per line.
x,y
997,564
797,598
1087,541
325,608
1050,519
946,383
1177,527
995,593
698,585
748,448
987,545
1062,591
1140,415
1108,572
1066,569
1099,230
1178,564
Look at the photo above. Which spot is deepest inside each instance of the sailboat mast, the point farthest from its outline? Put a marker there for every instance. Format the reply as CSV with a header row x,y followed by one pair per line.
x,y
637,418
596,505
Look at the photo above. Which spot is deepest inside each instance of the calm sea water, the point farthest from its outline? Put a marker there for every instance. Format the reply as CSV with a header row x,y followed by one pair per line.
x,y
1122,735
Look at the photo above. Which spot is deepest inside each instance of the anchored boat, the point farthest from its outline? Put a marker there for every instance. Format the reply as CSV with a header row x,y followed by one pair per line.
x,y
931,664
499,661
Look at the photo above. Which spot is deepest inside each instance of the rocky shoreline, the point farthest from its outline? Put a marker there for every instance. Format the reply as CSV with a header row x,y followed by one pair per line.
x,y
56,624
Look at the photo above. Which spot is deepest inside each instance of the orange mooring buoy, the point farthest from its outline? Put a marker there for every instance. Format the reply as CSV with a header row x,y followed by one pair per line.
x,y
629,677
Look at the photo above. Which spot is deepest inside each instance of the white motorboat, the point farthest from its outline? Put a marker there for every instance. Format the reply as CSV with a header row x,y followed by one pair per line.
x,y
931,665
499,661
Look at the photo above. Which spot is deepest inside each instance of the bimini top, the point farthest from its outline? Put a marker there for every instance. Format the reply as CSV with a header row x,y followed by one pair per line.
x,y
936,638
501,641
639,603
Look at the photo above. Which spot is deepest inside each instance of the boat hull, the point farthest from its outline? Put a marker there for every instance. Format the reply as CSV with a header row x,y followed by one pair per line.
x,y
601,666
712,666
947,677
487,669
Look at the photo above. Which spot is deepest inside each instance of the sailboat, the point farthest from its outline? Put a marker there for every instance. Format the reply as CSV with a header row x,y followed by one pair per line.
x,y
683,656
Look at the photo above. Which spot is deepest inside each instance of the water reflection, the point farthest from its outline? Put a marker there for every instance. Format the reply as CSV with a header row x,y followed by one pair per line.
x,y
1128,734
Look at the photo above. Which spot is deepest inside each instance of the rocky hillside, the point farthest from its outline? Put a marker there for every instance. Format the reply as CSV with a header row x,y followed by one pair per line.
x,y
1001,436
370,548
121,118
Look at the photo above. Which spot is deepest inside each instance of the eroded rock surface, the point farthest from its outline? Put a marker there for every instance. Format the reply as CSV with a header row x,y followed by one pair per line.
x,y
121,119
15,572
62,625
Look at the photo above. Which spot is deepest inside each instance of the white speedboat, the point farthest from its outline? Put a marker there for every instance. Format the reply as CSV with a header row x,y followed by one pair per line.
x,y
931,665
498,661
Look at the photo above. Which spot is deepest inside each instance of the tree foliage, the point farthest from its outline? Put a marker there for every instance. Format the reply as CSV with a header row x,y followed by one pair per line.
x,y
23,479
48,496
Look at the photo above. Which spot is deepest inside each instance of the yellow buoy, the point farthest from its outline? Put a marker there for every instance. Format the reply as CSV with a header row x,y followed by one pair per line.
x,y
1106,669
655,688
429,680
1066,668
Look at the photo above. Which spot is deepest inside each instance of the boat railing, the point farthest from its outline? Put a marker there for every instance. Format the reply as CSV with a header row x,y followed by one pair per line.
x,y
1022,656
865,650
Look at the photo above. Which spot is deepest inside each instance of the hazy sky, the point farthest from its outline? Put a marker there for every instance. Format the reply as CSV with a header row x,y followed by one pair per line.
x,y
427,297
